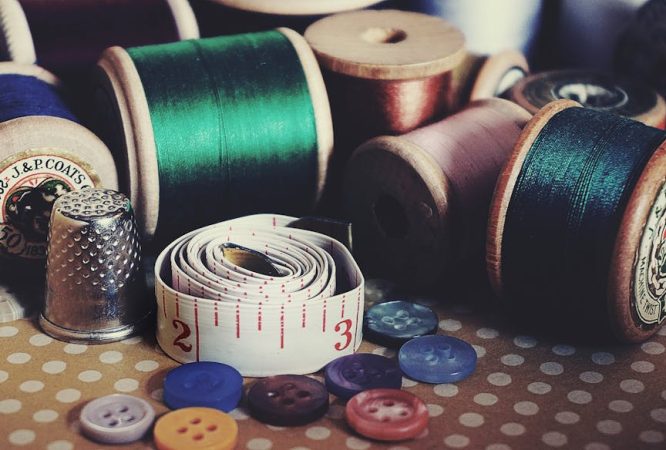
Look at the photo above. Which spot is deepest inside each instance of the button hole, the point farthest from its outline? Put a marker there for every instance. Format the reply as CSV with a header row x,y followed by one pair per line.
x,y
403,413
211,427
389,403
303,394
372,410
107,415
113,423
182,430
195,421
198,437
386,419
123,409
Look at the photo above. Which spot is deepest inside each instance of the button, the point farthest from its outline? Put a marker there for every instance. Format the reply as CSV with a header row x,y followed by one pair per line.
x,y
351,374
205,384
116,419
387,414
195,428
287,400
437,359
393,323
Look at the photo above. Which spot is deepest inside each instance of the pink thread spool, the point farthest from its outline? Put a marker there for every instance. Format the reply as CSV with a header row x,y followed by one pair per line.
x,y
419,202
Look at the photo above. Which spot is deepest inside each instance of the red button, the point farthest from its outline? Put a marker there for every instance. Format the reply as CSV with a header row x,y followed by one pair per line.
x,y
387,414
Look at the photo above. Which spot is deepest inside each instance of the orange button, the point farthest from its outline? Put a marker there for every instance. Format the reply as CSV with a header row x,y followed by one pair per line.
x,y
196,428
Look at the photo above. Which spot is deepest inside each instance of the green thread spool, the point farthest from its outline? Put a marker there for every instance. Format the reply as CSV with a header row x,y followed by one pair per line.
x,y
216,128
577,231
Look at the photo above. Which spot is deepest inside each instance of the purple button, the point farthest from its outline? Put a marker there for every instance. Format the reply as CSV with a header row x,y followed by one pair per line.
x,y
116,419
351,374
287,400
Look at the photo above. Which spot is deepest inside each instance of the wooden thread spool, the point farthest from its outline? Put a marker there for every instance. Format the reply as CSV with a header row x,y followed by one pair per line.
x,y
592,90
127,126
41,158
418,202
635,257
486,76
217,17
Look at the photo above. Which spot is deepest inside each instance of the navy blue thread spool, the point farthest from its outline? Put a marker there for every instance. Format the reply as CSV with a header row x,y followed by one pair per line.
x,y
44,154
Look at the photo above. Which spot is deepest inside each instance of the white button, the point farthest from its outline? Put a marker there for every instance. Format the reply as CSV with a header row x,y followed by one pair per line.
x,y
117,419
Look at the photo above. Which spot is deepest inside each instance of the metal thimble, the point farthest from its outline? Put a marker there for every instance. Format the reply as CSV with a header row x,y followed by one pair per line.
x,y
95,287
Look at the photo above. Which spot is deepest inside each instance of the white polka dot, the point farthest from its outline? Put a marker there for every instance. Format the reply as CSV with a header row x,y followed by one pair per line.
x,y
239,414
539,388
620,406
609,427
651,437
147,365
317,433
18,358
512,360
75,349
126,385
480,351
471,419
632,386
499,379
567,417
524,341
8,331
336,412
554,439
31,386
355,443
653,348
659,415
526,408
591,377
485,399
564,350
22,437
274,428
434,410
487,333
603,358
579,397
498,447
446,390
10,406
407,383
158,395
68,395
111,357
132,341
597,446
4,376
456,441
60,445
383,351
54,367
512,429
90,376
450,325
259,444
642,367
399,447
45,416
40,340
551,368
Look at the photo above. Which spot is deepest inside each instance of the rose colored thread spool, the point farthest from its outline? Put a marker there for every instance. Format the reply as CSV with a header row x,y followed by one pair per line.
x,y
418,202
593,90
217,17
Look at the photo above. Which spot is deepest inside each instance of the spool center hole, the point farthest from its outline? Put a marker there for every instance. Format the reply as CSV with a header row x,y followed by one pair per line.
x,y
593,95
379,35
391,217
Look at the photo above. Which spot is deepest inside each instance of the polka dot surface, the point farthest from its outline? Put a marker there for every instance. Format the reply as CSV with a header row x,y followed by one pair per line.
x,y
528,392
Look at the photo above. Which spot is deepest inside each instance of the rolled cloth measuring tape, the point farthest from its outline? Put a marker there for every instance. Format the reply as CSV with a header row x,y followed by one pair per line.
x,y
489,26
67,37
576,238
641,50
295,314
218,17
592,90
216,128
44,154
418,203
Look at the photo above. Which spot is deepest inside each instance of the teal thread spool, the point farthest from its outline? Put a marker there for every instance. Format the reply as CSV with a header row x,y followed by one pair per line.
x,y
576,236
216,128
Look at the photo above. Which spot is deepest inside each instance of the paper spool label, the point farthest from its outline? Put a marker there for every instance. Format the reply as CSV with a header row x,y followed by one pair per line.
x,y
30,182
650,273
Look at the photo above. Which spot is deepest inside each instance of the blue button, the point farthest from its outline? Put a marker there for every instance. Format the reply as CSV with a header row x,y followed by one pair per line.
x,y
204,384
351,374
437,359
393,323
